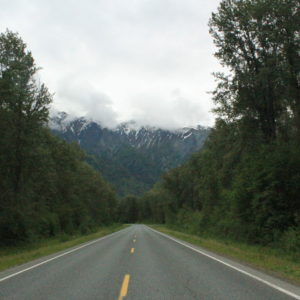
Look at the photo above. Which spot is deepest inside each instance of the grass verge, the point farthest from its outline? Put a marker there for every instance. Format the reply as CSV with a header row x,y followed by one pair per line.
x,y
269,260
13,256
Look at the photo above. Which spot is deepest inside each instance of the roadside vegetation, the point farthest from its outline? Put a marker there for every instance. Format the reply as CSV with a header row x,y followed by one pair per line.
x,y
16,255
272,261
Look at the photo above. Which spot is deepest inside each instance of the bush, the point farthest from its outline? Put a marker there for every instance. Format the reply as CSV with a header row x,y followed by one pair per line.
x,y
290,240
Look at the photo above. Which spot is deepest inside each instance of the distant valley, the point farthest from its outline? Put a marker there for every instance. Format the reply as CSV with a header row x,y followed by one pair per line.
x,y
132,158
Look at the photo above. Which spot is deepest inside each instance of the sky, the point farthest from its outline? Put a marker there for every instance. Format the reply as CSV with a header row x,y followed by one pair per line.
x,y
114,60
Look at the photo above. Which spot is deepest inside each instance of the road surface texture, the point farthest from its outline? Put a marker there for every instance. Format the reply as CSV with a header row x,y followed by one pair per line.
x,y
139,263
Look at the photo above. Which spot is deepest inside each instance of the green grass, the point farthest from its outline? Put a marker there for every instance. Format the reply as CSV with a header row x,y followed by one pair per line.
x,y
272,261
13,256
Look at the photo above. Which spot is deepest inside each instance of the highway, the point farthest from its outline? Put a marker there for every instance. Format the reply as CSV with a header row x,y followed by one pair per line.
x,y
139,263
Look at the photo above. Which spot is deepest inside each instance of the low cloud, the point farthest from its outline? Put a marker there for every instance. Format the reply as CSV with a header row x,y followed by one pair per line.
x,y
81,99
113,60
175,111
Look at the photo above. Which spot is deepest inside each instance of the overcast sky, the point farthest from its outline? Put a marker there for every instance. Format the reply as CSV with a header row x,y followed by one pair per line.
x,y
117,60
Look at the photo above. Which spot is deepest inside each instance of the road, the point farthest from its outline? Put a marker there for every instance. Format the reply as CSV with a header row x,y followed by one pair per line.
x,y
139,263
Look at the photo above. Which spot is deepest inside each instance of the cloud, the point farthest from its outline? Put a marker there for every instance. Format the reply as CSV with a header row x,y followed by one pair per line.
x,y
173,112
131,54
82,99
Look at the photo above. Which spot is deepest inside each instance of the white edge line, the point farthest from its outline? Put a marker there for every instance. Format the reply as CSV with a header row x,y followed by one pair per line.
x,y
58,256
231,266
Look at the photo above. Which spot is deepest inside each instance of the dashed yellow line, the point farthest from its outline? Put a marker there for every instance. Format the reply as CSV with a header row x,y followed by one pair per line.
x,y
124,288
132,250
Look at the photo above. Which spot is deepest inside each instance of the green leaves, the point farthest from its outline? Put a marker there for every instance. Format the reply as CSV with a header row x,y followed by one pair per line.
x,y
244,183
45,186
258,42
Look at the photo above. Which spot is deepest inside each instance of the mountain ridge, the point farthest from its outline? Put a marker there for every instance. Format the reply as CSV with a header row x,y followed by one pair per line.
x,y
130,156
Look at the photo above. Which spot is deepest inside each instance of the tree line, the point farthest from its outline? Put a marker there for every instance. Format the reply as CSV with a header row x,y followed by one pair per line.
x,y
245,183
46,187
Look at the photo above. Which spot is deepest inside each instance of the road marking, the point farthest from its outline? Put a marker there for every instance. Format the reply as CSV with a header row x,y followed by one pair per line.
x,y
134,241
124,288
58,256
232,267
132,250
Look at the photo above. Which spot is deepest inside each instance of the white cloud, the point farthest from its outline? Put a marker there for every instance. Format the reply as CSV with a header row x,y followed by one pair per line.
x,y
176,110
133,54
82,99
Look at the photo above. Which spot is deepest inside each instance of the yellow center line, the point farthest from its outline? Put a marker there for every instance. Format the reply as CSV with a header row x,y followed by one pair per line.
x,y
124,287
132,250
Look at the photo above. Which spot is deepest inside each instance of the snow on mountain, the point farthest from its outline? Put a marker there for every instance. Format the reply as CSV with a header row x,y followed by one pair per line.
x,y
129,132
130,156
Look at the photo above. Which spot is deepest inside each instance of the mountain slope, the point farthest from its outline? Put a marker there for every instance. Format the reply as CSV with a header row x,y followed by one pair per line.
x,y
130,157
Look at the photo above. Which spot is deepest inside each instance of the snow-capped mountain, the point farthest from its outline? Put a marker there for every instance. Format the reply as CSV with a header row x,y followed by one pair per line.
x,y
131,157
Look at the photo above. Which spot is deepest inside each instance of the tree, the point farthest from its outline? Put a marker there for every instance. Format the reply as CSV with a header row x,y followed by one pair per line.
x,y
258,41
244,183
46,187
23,103
23,111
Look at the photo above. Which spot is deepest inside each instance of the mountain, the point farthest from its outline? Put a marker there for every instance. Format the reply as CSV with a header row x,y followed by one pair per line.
x,y
130,157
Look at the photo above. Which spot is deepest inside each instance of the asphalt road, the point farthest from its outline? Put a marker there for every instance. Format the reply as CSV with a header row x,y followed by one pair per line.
x,y
139,263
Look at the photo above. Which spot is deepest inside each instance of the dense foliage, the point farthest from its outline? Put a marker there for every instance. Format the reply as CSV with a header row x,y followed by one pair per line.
x,y
245,183
46,188
129,170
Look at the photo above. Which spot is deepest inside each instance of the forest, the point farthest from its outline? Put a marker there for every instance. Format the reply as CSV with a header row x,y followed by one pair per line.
x,y
244,183
46,186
